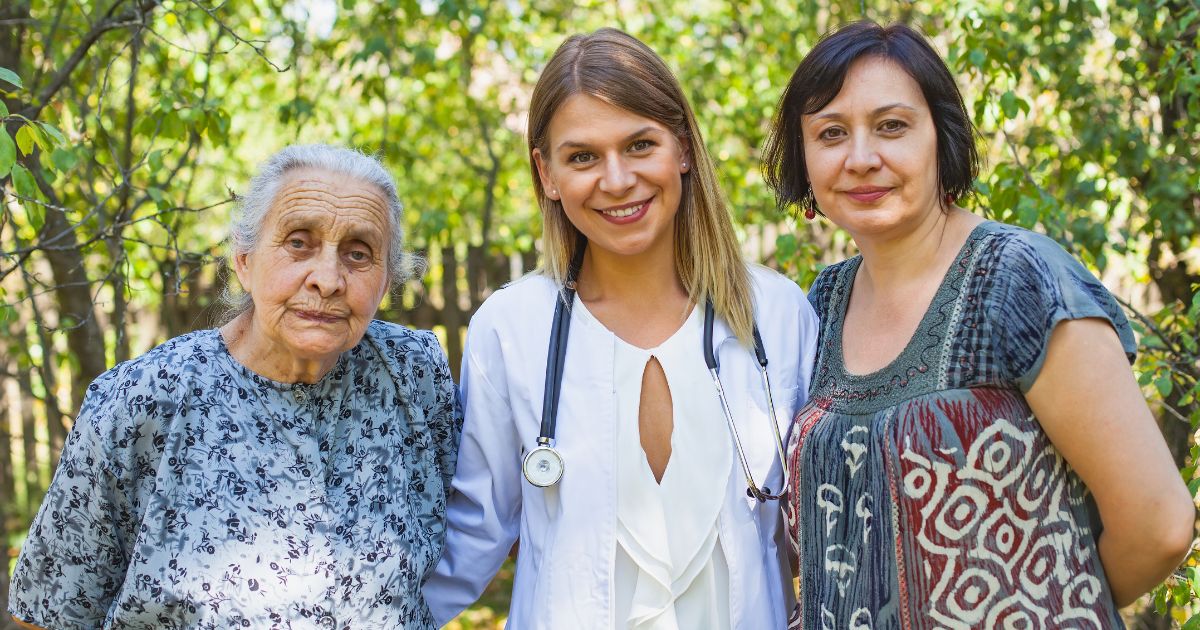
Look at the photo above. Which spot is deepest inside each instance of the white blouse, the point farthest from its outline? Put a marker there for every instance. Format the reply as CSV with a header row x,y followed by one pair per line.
x,y
671,571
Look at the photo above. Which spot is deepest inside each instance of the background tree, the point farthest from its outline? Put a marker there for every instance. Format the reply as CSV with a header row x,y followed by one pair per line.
x,y
128,124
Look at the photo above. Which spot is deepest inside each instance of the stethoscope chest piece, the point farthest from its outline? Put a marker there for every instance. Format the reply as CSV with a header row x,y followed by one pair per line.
x,y
543,466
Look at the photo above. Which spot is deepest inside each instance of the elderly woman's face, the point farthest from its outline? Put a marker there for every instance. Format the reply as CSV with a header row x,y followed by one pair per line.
x,y
319,270
871,153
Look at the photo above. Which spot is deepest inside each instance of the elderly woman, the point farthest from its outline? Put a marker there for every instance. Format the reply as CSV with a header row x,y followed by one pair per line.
x,y
975,452
289,467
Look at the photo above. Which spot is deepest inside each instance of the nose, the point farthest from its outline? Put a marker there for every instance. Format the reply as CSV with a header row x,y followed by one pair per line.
x,y
864,156
327,275
617,177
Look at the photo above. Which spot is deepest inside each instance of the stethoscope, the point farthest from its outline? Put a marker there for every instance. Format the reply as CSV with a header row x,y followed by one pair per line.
x,y
543,466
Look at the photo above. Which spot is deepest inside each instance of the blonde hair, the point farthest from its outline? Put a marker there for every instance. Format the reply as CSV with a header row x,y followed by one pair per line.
x,y
620,70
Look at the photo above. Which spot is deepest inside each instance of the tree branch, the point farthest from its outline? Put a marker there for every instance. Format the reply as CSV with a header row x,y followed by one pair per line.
x,y
109,23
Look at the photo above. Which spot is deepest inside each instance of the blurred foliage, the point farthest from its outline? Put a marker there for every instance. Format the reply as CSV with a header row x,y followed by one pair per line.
x,y
128,124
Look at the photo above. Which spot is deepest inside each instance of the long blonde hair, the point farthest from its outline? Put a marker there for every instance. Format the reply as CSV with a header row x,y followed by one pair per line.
x,y
620,70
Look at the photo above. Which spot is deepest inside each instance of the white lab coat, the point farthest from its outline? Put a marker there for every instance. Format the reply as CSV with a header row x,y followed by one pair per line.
x,y
564,576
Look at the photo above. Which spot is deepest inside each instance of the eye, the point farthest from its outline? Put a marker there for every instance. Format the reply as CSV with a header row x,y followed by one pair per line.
x,y
358,255
296,241
829,134
641,145
581,157
893,126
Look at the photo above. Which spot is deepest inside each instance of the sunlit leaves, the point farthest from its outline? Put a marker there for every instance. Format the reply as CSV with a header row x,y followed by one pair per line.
x,y
10,77
8,153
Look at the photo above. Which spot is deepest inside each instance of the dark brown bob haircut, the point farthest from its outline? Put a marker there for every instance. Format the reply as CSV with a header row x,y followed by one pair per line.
x,y
818,80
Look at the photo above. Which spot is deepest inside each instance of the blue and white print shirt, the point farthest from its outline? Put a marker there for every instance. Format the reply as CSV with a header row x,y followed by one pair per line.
x,y
193,493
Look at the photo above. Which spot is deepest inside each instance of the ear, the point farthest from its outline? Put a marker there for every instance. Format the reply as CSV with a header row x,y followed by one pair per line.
x,y
548,185
241,266
685,158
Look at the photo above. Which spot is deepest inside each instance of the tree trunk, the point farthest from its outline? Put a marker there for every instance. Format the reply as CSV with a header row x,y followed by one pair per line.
x,y
452,315
33,484
7,492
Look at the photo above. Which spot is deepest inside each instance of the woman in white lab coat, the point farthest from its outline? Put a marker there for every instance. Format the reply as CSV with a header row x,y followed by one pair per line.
x,y
649,513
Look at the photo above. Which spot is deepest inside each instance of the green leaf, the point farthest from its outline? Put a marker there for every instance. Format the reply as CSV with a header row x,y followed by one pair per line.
x,y
1164,385
1194,486
24,184
160,198
10,77
3,109
26,139
155,159
53,132
1193,622
63,159
1008,103
8,153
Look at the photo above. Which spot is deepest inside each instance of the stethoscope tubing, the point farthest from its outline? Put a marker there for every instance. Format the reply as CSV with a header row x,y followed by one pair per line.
x,y
556,359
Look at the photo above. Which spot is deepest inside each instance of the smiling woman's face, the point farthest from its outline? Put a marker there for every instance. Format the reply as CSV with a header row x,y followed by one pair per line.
x,y
617,175
871,153
317,275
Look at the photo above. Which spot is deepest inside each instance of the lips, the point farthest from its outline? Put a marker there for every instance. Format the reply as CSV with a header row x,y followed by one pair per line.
x,y
867,194
626,213
319,316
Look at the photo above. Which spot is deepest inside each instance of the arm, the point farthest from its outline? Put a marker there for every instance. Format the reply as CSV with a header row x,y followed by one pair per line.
x,y
484,507
73,563
446,415
26,625
1098,420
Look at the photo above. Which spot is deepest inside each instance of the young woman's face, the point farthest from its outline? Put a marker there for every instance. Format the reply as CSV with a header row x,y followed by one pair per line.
x,y
871,153
617,174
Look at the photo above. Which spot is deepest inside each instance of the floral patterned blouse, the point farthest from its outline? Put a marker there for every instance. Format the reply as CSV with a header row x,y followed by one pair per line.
x,y
926,494
193,493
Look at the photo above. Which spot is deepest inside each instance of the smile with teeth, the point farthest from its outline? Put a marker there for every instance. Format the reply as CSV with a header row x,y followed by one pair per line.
x,y
625,210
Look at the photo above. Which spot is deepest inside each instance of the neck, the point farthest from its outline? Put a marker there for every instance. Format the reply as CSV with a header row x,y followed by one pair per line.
x,y
254,349
902,260
648,278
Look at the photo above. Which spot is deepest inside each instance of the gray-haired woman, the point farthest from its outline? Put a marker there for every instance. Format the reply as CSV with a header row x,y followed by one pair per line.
x,y
289,467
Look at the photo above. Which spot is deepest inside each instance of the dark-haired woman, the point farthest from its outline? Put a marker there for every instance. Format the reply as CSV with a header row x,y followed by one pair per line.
x,y
975,451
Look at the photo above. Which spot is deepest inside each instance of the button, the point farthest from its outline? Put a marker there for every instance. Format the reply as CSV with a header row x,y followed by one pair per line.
x,y
327,621
301,396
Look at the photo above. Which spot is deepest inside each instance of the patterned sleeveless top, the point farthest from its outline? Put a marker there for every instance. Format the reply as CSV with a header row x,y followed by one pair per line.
x,y
926,494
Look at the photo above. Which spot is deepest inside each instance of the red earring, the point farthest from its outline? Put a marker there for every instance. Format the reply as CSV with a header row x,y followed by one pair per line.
x,y
810,214
949,199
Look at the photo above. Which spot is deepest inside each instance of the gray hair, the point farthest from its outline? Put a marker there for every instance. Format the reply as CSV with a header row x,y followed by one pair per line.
x,y
246,226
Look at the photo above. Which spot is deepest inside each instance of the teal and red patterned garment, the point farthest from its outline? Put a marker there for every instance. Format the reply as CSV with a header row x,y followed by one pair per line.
x,y
926,495
194,493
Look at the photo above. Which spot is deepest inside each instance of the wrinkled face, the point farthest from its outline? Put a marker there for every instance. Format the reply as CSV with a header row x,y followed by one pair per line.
x,y
617,174
871,153
319,270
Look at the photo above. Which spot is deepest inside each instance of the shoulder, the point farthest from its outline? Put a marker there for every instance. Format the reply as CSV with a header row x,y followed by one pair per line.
x,y
1019,250
155,373
1029,264
404,348
528,292
776,295
828,278
131,403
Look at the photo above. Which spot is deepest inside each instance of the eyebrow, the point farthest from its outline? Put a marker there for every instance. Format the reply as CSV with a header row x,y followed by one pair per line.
x,y
875,112
571,144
